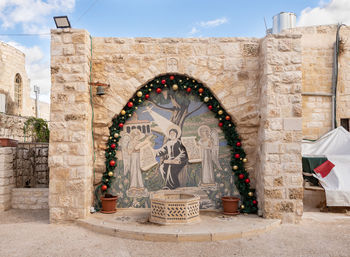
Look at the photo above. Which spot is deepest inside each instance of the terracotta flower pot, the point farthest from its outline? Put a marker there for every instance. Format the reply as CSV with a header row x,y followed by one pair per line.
x,y
109,204
230,205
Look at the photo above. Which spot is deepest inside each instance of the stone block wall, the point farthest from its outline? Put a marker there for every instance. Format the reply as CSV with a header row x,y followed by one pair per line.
x,y
317,49
228,66
6,176
31,165
279,187
12,127
12,61
257,81
70,150
30,198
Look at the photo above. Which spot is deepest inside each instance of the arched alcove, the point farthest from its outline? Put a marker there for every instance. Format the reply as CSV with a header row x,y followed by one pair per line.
x,y
126,149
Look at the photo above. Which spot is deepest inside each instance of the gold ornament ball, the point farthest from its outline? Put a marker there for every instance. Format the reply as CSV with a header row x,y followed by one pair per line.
x,y
242,206
150,89
110,174
180,80
116,135
220,112
235,167
130,115
151,85
250,194
106,179
123,112
206,99
139,94
140,101
175,87
245,160
136,108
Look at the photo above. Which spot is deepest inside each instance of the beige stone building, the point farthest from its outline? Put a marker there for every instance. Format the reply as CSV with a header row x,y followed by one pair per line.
x,y
15,85
277,90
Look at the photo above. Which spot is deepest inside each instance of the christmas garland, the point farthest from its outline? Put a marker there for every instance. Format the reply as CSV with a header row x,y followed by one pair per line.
x,y
191,86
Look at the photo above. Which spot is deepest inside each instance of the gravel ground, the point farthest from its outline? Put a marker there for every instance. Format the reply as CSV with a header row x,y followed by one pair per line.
x,y
28,233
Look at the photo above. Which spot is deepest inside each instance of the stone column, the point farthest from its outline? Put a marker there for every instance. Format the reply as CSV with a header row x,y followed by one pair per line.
x,y
7,181
279,180
70,150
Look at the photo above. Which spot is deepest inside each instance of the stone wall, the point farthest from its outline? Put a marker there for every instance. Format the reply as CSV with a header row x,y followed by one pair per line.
x,y
228,66
6,176
12,127
258,82
317,46
30,198
31,165
70,151
279,187
12,61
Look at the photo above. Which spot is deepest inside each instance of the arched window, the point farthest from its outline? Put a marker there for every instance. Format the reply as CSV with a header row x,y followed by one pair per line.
x,y
18,91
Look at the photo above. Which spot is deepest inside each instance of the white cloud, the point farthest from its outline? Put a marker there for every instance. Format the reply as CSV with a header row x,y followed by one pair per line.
x,y
38,68
31,13
213,23
335,11
207,24
193,31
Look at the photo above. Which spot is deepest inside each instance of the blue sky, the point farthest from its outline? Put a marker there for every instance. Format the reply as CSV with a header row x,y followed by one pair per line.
x,y
149,18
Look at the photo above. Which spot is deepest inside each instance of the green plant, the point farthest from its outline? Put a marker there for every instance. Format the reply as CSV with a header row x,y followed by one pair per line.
x,y
37,129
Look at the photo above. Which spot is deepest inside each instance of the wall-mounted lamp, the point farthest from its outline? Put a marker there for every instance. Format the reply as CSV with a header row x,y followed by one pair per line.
x,y
62,22
100,87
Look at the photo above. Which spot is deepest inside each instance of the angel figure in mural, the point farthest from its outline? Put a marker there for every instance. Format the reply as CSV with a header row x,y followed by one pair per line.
x,y
175,158
209,150
131,146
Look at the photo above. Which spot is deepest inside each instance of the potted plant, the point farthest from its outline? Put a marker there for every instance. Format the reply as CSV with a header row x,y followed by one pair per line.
x,y
230,205
109,203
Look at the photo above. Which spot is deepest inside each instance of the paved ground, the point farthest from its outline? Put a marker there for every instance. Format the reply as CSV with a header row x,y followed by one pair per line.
x,y
27,233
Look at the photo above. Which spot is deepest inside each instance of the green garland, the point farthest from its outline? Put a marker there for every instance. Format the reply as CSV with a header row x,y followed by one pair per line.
x,y
191,86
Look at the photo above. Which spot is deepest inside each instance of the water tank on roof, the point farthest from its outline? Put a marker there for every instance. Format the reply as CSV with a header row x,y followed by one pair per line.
x,y
283,20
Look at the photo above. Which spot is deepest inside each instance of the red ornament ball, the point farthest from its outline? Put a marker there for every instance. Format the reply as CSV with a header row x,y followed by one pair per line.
x,y
255,202
159,90
241,176
247,180
104,187
163,81
200,90
227,117
210,107
147,96
113,146
188,90
237,156
112,163
130,104
121,125
172,77
238,144
221,124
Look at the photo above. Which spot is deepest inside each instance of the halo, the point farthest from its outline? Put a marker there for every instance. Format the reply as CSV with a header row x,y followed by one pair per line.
x,y
175,127
203,127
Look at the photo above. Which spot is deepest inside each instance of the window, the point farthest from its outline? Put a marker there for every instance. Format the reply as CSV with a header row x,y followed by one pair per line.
x,y
18,91
345,123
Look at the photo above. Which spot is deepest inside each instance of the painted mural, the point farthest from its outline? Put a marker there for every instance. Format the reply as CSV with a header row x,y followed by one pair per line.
x,y
172,142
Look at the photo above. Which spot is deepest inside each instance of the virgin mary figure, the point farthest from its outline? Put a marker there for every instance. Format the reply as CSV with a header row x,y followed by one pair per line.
x,y
175,158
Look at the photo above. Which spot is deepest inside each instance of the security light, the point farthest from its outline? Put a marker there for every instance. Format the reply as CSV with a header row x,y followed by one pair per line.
x,y
62,22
